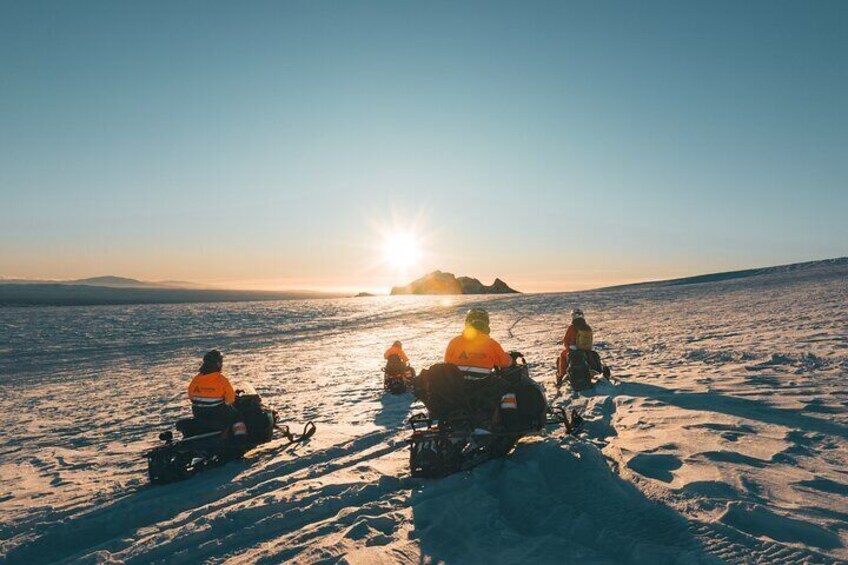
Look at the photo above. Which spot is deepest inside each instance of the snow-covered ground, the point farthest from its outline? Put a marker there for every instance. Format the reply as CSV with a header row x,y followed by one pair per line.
x,y
725,440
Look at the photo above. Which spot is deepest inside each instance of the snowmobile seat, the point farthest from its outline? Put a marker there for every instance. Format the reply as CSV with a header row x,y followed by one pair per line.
x,y
190,427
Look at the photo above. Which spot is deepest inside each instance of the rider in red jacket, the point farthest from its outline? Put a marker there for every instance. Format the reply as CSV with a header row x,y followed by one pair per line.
x,y
578,336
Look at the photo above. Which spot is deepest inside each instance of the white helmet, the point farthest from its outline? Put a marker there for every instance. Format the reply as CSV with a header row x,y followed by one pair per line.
x,y
576,313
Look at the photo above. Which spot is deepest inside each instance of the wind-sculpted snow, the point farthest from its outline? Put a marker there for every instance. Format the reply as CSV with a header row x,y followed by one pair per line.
x,y
724,438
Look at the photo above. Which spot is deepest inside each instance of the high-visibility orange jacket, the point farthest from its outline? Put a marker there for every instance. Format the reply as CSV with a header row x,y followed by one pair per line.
x,y
394,350
211,389
474,349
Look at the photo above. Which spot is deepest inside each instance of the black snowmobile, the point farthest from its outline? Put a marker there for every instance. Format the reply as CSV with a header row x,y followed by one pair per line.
x,y
203,446
397,375
582,367
472,418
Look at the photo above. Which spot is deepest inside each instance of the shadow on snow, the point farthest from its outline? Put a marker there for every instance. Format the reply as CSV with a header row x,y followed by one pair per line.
x,y
547,504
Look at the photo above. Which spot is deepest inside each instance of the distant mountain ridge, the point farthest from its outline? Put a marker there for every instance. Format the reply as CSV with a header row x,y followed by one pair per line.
x,y
53,294
111,289
744,273
108,281
439,282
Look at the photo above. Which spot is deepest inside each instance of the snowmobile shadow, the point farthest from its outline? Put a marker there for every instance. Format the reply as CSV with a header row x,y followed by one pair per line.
x,y
394,409
147,504
734,406
547,504
114,522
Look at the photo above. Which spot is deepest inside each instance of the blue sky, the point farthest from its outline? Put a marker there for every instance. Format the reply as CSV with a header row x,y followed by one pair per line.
x,y
558,145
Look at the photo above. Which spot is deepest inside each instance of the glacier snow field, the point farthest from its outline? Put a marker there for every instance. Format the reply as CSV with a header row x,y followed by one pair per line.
x,y
723,437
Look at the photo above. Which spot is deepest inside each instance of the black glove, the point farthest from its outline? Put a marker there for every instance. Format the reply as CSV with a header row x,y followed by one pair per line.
x,y
606,371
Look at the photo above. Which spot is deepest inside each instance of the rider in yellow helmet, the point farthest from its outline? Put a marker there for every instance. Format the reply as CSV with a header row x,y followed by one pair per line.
x,y
473,351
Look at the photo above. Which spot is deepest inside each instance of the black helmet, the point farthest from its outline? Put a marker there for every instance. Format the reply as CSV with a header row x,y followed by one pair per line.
x,y
478,319
212,361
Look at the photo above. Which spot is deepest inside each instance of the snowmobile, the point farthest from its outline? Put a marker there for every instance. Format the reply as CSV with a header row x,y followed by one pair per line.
x,y
582,367
202,446
397,375
472,418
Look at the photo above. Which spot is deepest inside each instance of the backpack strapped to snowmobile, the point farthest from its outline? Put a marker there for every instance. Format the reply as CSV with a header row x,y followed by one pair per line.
x,y
579,372
205,445
472,419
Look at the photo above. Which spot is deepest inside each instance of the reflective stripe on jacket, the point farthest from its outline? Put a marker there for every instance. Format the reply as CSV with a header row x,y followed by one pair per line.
x,y
474,349
209,390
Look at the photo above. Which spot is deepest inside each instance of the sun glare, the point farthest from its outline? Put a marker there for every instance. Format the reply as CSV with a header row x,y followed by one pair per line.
x,y
401,250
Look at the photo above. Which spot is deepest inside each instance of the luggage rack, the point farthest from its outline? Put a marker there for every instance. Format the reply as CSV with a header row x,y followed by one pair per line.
x,y
422,421
442,447
432,454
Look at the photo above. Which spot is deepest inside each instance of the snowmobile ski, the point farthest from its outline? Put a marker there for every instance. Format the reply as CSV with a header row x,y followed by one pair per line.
x,y
308,431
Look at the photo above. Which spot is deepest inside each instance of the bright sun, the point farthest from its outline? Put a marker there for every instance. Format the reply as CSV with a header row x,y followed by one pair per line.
x,y
401,250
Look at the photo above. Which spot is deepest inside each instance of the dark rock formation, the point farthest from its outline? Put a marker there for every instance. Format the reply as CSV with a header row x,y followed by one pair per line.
x,y
438,282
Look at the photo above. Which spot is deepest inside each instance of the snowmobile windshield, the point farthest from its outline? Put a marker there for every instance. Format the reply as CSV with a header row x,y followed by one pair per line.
x,y
246,389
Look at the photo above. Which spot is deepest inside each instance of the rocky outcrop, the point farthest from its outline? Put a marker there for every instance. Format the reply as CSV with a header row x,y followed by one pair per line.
x,y
438,282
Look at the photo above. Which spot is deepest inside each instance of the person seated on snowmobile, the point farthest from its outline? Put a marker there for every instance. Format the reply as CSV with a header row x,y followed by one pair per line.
x,y
473,351
212,396
396,360
578,336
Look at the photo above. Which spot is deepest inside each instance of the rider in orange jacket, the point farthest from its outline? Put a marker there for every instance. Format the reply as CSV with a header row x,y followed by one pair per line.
x,y
212,396
473,351
397,363
396,349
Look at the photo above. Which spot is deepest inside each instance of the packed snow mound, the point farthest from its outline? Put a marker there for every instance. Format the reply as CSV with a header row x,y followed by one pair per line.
x,y
724,438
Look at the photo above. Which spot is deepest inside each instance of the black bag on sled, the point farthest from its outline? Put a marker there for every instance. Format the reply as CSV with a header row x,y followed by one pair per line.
x,y
259,419
578,371
531,406
394,366
448,393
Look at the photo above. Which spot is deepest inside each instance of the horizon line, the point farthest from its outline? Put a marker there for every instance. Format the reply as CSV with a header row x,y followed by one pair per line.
x,y
377,291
